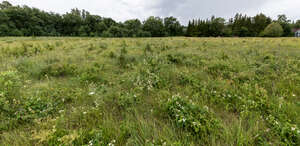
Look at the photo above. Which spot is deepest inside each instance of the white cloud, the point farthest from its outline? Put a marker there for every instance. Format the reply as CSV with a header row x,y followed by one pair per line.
x,y
276,7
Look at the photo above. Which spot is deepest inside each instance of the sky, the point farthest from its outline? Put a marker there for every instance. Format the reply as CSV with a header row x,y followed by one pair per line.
x,y
184,10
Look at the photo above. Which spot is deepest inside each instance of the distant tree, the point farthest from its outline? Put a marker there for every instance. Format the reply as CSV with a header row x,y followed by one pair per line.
x,y
296,25
5,5
155,26
142,33
260,22
27,21
72,22
273,30
285,23
117,31
133,26
109,22
216,26
241,26
173,26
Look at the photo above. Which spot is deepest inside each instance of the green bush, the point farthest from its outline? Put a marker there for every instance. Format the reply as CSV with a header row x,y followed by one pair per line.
x,y
193,118
59,70
273,30
10,85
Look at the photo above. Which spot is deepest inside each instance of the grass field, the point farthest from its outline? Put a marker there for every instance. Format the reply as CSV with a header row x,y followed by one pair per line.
x,y
156,91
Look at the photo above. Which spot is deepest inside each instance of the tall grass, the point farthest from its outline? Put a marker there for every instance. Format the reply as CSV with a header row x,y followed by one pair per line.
x,y
158,91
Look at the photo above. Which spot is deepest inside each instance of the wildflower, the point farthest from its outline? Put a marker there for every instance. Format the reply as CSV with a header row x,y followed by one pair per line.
x,y
205,107
91,93
90,143
84,113
293,128
61,111
294,95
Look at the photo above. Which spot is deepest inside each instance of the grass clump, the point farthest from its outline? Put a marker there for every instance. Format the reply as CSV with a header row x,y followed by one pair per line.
x,y
193,118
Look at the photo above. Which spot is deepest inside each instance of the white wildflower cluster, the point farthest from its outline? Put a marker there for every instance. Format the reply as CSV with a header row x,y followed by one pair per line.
x,y
91,143
112,143
146,80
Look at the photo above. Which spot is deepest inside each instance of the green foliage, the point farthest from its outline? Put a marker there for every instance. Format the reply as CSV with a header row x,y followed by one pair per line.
x,y
199,121
91,74
273,30
27,21
127,101
155,26
16,109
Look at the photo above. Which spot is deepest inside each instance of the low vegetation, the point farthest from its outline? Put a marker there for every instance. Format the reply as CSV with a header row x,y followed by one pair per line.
x,y
154,91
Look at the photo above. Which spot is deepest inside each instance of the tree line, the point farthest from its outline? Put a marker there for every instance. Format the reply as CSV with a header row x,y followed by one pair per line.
x,y
27,21
243,26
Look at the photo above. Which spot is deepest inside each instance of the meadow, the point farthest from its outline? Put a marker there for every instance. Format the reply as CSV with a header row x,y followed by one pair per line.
x,y
149,91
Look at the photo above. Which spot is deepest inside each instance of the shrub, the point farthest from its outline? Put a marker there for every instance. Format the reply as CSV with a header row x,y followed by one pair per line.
x,y
15,109
195,119
126,101
176,58
59,70
273,30
10,83
91,74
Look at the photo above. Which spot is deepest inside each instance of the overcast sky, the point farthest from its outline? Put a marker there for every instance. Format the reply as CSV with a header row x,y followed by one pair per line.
x,y
121,10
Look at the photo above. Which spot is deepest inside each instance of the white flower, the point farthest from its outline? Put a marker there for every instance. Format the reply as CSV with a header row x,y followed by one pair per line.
x,y
91,93
84,113
206,107
294,95
90,143
293,128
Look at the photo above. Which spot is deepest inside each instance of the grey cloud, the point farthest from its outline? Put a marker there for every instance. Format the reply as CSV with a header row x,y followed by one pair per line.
x,y
187,9
183,9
